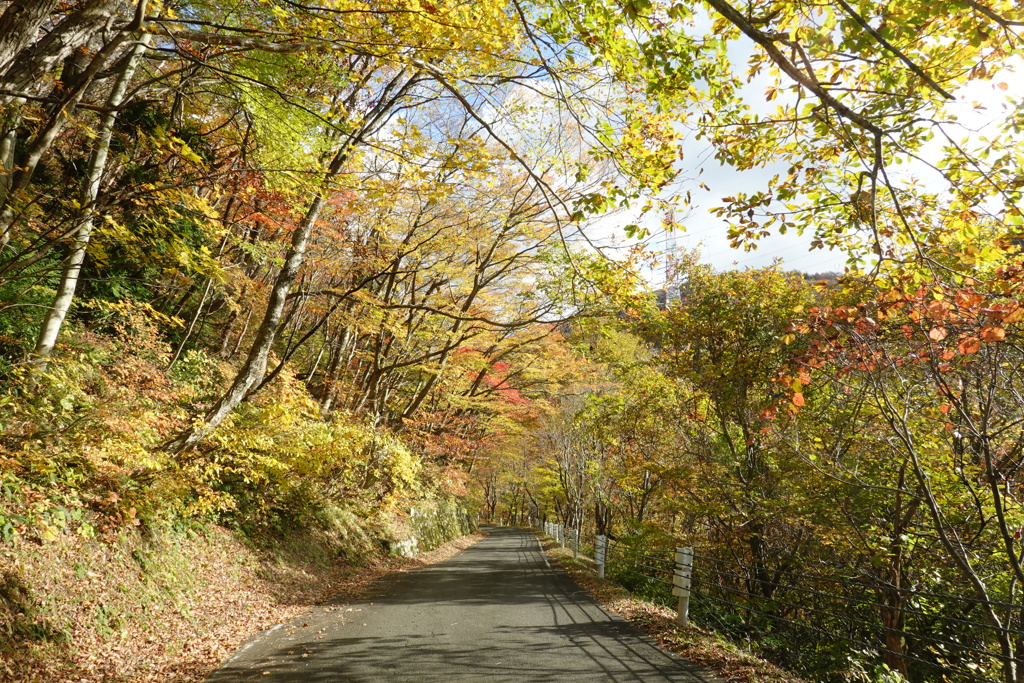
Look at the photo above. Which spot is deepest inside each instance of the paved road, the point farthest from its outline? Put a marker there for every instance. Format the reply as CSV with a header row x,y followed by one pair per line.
x,y
496,612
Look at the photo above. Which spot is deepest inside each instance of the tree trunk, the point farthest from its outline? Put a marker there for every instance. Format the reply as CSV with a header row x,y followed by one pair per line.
x,y
255,366
256,363
241,334
73,33
192,323
19,25
56,314
7,144
41,56
892,622
331,378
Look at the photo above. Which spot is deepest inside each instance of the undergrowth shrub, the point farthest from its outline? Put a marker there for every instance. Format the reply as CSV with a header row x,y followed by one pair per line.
x,y
81,453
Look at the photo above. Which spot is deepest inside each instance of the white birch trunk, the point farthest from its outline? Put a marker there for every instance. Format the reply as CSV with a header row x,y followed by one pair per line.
x,y
55,316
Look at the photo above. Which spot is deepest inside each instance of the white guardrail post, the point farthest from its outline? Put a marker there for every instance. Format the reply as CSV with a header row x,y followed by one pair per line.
x,y
600,549
575,544
561,534
681,579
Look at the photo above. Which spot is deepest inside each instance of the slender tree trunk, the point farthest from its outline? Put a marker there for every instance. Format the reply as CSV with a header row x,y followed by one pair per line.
x,y
225,340
241,334
192,323
316,363
332,374
202,300
252,371
56,314
7,144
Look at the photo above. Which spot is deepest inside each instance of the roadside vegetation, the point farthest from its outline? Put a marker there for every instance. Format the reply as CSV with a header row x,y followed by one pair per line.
x,y
702,646
844,459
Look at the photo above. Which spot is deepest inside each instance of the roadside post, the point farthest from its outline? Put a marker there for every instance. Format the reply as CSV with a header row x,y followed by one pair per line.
x,y
575,544
600,548
681,579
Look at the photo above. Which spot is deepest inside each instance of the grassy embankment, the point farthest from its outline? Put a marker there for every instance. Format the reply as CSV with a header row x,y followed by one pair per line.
x,y
171,606
121,560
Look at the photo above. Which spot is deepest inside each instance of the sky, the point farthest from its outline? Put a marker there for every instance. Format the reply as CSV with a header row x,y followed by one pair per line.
x,y
708,233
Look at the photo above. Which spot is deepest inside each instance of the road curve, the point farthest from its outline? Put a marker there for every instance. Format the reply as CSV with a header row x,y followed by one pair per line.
x,y
496,612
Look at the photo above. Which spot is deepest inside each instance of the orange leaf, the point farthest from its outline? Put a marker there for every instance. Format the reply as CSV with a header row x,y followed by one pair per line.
x,y
969,345
938,333
938,310
993,334
1014,316
945,408
798,400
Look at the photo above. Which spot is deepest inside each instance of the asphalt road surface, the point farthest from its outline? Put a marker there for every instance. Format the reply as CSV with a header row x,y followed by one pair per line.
x,y
496,612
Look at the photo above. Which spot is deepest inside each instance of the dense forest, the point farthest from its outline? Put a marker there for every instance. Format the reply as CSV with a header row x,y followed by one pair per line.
x,y
265,263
